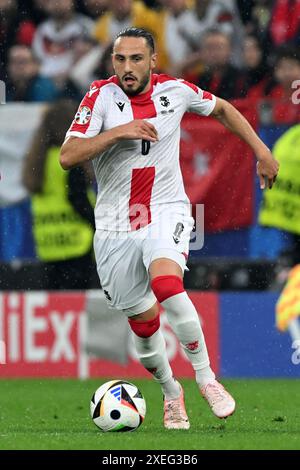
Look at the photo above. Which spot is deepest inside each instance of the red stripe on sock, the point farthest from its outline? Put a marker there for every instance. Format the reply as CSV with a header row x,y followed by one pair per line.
x,y
145,329
166,286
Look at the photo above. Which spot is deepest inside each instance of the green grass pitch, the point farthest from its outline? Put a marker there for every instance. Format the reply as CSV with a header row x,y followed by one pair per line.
x,y
54,414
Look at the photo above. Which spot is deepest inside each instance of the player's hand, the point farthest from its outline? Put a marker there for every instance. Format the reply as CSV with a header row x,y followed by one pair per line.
x,y
267,169
138,129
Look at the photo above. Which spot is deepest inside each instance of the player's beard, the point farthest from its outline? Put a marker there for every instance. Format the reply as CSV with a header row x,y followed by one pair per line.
x,y
143,83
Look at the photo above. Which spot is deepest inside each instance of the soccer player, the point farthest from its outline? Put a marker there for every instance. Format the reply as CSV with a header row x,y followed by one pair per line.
x,y
129,125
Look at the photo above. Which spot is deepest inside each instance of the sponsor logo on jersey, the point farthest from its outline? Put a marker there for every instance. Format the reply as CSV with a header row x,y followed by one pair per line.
x,y
120,105
83,115
164,112
177,232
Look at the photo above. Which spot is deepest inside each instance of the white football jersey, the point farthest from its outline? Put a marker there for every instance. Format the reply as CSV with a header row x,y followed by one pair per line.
x,y
135,178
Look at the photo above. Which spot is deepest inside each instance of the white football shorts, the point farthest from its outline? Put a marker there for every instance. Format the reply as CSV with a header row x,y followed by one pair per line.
x,y
123,258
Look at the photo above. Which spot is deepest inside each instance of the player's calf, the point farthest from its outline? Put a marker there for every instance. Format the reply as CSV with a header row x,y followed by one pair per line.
x,y
151,350
185,322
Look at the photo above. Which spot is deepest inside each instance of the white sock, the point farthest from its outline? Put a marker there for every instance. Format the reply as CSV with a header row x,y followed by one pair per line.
x,y
171,389
152,354
204,376
185,322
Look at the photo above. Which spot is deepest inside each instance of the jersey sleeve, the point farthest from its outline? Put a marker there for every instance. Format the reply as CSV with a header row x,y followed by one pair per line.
x,y
88,120
198,101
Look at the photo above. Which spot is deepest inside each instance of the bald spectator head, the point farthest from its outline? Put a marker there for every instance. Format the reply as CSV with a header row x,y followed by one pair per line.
x,y
61,9
95,8
22,66
176,6
215,49
8,8
120,8
7,4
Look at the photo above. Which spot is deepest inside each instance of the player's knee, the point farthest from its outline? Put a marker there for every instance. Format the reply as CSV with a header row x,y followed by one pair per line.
x,y
146,328
166,286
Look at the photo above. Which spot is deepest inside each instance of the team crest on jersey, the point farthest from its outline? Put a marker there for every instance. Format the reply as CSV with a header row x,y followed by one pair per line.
x,y
83,115
164,101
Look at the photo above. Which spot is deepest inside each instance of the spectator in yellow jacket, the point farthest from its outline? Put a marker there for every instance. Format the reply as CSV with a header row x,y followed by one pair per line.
x,y
126,13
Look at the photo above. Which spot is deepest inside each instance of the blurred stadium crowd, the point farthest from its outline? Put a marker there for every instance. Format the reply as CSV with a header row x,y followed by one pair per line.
x,y
51,51
234,48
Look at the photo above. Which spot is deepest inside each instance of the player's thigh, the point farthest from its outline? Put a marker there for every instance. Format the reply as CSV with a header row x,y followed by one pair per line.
x,y
169,237
164,267
122,274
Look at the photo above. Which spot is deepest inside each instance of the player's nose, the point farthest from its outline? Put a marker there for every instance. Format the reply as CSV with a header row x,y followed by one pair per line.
x,y
127,66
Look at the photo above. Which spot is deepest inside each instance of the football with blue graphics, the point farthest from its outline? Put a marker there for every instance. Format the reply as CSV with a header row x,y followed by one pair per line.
x,y
118,406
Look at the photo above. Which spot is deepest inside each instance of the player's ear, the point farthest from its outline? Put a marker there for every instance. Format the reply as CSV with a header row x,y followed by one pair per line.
x,y
153,61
